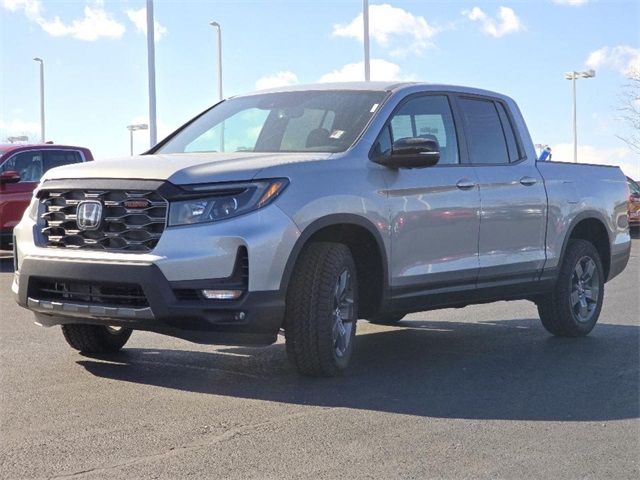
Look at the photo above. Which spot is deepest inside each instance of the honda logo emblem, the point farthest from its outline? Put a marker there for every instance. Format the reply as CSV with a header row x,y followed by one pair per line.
x,y
89,215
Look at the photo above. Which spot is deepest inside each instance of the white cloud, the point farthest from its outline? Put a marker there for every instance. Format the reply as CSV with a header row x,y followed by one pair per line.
x,y
622,58
391,27
31,8
139,19
573,3
506,21
620,156
95,23
279,79
351,72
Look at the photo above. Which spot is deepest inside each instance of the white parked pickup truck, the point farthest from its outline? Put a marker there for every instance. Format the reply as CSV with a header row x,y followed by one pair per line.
x,y
308,208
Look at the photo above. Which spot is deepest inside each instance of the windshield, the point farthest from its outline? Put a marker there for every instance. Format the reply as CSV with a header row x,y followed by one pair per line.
x,y
309,121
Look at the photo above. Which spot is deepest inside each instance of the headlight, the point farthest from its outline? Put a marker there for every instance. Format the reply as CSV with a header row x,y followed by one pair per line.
x,y
210,203
32,209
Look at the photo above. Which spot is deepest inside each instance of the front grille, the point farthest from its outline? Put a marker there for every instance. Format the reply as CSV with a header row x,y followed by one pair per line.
x,y
132,220
129,295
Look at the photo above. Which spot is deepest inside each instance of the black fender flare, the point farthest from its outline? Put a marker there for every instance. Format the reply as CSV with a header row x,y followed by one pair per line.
x,y
586,215
328,221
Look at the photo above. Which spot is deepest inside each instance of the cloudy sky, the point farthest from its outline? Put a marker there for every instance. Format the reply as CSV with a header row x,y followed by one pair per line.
x,y
95,58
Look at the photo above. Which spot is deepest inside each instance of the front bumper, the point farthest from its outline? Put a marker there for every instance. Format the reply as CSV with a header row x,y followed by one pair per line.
x,y
253,319
191,257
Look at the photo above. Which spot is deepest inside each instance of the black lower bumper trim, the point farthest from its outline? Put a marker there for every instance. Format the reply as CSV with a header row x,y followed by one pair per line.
x,y
255,318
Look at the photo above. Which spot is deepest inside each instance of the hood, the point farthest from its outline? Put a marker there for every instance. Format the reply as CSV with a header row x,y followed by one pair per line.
x,y
183,168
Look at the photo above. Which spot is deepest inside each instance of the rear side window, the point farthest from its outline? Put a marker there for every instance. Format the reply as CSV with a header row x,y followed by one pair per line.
x,y
57,158
486,139
509,135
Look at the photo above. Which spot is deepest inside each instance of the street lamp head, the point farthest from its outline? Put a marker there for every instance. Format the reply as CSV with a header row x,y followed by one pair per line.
x,y
214,24
139,126
583,74
38,59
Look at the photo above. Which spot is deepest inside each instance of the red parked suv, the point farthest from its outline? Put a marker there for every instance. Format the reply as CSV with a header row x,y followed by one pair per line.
x,y
21,167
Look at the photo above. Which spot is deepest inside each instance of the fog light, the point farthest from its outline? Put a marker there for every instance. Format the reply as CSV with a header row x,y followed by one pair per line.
x,y
221,294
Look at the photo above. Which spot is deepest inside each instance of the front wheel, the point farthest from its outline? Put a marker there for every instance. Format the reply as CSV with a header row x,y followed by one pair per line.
x,y
573,308
321,312
96,339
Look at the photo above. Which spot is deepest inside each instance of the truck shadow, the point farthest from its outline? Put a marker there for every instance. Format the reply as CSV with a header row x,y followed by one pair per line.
x,y
507,370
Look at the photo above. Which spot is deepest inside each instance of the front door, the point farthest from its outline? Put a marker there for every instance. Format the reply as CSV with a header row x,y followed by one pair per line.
x,y
434,211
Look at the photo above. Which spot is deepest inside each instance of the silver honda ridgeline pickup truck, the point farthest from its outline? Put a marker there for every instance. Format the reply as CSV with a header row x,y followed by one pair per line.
x,y
307,208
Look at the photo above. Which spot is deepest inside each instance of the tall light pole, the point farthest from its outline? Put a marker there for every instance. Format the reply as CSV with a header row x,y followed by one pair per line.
x,y
151,61
218,28
41,62
216,25
573,76
365,20
133,128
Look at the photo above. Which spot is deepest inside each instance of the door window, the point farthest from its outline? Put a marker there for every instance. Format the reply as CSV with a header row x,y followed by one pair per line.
x,y
509,135
57,158
486,139
27,164
428,116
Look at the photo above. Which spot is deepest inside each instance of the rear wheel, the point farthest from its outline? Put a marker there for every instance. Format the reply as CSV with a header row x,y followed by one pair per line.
x,y
573,308
96,338
322,305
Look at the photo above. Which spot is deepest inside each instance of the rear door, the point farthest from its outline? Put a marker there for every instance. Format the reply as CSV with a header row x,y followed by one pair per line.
x,y
512,195
434,211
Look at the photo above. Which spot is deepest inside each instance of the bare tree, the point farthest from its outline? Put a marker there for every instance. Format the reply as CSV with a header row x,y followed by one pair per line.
x,y
630,110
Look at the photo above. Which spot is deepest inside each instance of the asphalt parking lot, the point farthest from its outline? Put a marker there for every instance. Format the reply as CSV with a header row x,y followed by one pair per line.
x,y
477,392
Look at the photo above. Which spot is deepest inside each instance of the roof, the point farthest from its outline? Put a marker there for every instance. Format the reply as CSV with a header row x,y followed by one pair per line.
x,y
364,86
375,86
9,147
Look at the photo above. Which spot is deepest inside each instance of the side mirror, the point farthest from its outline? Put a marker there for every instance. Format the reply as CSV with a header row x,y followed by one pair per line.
x,y
10,176
415,152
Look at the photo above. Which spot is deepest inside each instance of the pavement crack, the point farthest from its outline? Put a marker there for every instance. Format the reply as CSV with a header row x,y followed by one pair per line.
x,y
196,445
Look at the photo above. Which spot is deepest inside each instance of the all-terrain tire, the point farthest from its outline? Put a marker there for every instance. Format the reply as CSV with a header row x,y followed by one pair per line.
x,y
557,309
95,339
310,317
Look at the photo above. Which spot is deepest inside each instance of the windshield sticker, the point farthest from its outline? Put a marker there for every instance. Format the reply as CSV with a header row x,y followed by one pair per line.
x,y
374,108
336,134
